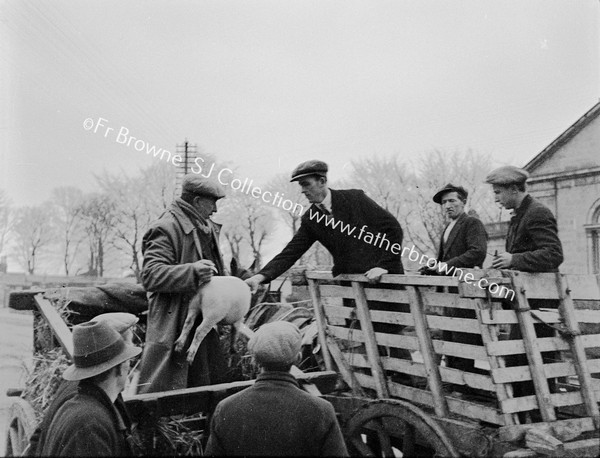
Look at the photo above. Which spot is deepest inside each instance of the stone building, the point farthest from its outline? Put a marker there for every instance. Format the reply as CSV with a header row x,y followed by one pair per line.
x,y
565,176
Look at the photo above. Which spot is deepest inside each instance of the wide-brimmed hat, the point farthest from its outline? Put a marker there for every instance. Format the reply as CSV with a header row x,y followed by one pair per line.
x,y
119,321
276,343
96,348
462,192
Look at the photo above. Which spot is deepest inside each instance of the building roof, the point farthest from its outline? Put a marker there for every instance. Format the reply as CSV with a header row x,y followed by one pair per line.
x,y
563,138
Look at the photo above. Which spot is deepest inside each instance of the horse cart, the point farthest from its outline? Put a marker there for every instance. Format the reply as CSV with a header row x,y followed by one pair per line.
x,y
385,352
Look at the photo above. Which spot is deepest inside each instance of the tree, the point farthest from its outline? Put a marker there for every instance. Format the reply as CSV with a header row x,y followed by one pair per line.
x,y
98,212
6,218
66,202
34,231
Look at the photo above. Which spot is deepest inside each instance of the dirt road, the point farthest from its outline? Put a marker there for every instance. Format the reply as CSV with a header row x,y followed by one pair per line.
x,y
16,342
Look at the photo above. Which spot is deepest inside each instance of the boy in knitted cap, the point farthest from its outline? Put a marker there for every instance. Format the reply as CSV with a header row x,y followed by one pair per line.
x,y
274,417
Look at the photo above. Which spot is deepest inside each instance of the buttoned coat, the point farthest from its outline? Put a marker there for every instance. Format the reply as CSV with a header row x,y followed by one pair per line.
x,y
466,245
355,249
168,275
533,238
87,424
274,417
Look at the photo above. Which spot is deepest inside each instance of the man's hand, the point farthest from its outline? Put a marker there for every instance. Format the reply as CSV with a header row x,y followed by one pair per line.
x,y
425,270
502,261
374,274
254,282
205,269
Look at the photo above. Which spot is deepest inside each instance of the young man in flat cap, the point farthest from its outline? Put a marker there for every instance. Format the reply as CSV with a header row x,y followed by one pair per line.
x,y
532,245
353,253
463,244
181,252
89,424
123,324
274,417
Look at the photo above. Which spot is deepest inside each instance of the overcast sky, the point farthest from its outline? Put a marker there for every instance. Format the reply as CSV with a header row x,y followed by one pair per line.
x,y
268,84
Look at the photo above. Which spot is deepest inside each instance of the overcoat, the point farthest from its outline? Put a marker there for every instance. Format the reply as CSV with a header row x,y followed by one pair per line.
x,y
466,245
274,417
169,250
533,238
364,237
88,424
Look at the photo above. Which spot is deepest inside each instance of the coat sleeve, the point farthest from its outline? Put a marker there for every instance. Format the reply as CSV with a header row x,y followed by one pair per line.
x,y
542,230
300,243
160,271
477,238
385,223
333,444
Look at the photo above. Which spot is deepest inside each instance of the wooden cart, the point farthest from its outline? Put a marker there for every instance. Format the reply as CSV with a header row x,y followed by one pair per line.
x,y
405,403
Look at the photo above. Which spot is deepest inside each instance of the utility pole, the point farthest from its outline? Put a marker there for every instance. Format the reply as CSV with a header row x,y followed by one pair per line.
x,y
188,153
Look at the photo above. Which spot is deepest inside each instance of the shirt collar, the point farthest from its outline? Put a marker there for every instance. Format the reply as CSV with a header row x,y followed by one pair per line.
x,y
327,201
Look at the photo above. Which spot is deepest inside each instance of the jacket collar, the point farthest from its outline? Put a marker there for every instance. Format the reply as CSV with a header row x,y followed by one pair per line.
x,y
87,388
186,224
277,376
452,236
525,203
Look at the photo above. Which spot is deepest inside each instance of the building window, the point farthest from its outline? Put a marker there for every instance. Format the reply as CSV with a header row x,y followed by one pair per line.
x,y
593,235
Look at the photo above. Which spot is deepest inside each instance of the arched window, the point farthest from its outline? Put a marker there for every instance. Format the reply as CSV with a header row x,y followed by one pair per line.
x,y
592,229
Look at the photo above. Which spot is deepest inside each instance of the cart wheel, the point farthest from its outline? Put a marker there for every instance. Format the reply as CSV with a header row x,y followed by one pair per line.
x,y
21,424
381,426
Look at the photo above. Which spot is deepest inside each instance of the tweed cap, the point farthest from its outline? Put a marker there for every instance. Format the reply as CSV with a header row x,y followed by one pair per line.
x,y
507,174
119,321
195,184
276,343
97,347
462,192
307,168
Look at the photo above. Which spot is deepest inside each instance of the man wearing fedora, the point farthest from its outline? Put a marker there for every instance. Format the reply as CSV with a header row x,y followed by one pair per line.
x,y
181,252
89,424
351,253
123,324
463,244
274,417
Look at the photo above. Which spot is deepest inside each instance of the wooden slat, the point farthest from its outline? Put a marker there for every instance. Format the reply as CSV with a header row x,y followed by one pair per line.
x,y
515,433
433,375
524,403
522,373
343,367
377,316
587,316
474,410
389,279
59,328
567,311
321,322
510,317
404,366
446,300
442,347
453,324
387,340
585,287
534,355
515,347
583,448
458,377
362,310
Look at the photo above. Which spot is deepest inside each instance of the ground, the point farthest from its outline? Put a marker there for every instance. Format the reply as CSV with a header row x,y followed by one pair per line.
x,y
16,347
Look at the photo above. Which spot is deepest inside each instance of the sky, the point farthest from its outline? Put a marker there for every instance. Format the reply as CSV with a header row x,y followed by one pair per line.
x,y
269,84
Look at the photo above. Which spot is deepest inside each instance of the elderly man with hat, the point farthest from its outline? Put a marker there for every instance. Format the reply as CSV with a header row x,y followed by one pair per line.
x,y
89,423
181,252
122,323
372,247
274,417
532,243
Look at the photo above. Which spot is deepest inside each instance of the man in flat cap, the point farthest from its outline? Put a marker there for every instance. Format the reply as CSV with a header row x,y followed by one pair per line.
x,y
89,423
181,252
274,417
372,247
532,243
123,324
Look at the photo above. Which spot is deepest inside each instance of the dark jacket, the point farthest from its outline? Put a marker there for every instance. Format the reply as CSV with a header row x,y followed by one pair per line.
x,y
354,249
88,424
466,245
532,238
168,275
274,417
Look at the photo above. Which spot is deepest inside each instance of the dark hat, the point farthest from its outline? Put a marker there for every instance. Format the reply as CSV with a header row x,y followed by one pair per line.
x,y
307,168
507,174
97,347
276,343
119,321
462,192
195,184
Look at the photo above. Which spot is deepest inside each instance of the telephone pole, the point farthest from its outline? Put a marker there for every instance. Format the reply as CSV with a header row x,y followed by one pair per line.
x,y
188,153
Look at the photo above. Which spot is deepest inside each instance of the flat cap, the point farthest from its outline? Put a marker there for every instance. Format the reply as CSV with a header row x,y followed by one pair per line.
x,y
276,343
507,174
307,168
195,184
119,321
437,198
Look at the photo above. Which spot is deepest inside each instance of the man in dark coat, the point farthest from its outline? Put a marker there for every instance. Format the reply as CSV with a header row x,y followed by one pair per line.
x,y
181,251
89,424
361,236
463,244
274,417
532,245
